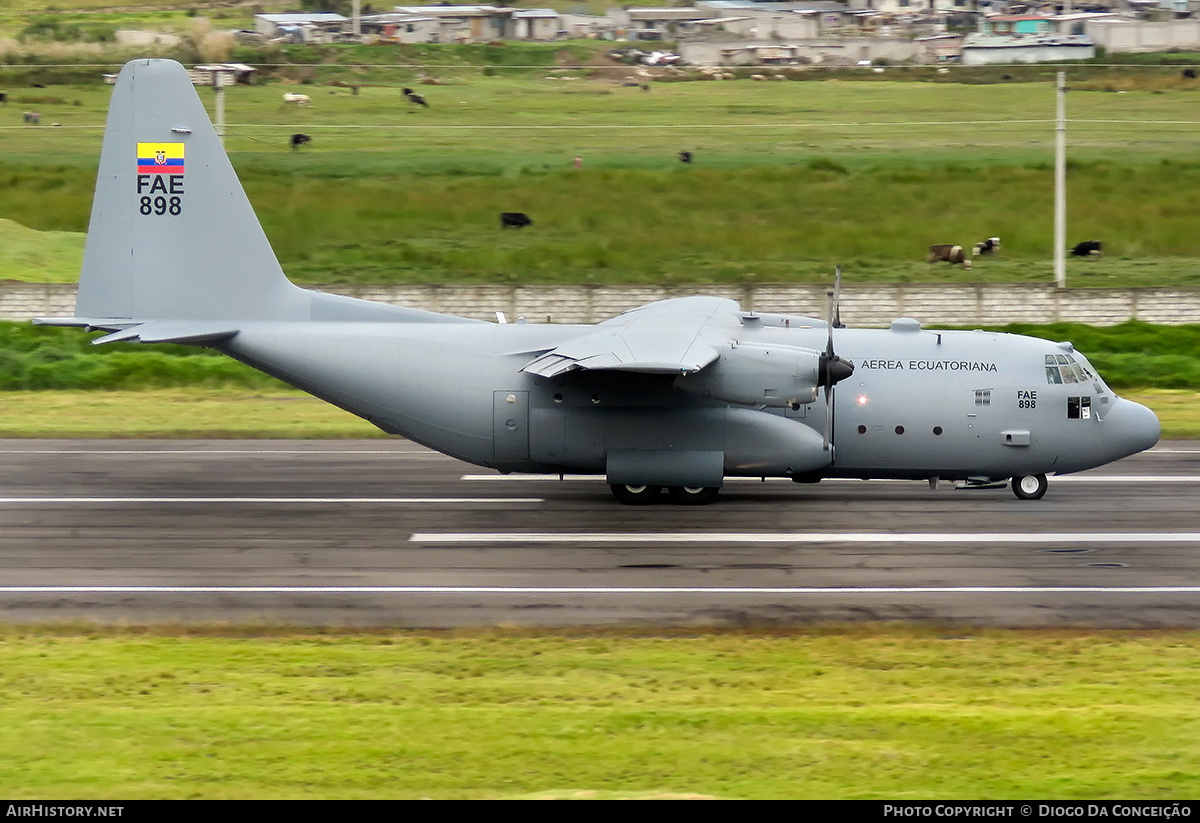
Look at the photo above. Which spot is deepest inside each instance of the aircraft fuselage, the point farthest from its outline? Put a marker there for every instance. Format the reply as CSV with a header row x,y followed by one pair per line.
x,y
920,403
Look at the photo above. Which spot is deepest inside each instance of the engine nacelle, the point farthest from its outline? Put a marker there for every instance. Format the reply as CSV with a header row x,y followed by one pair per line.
x,y
753,374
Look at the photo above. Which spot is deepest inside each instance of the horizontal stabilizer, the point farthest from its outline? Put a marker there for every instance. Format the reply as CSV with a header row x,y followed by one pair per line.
x,y
152,331
170,332
86,323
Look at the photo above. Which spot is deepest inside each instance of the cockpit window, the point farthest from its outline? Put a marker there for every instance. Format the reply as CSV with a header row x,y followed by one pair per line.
x,y
1052,373
1062,368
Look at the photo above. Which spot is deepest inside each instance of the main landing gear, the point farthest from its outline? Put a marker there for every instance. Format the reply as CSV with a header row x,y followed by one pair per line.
x,y
683,495
1030,486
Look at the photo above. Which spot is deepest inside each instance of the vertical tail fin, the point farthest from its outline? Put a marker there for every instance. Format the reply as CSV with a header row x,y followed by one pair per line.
x,y
172,234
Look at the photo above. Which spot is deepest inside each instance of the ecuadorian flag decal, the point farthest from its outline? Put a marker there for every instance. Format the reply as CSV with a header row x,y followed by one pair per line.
x,y
160,158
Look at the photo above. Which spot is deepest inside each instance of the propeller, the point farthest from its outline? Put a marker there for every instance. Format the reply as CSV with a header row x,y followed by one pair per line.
x,y
832,368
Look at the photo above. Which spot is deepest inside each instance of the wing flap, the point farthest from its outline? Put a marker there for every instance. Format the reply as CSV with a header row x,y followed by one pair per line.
x,y
679,336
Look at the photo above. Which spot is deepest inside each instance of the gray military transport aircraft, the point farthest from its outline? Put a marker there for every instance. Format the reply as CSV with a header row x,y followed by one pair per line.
x,y
677,394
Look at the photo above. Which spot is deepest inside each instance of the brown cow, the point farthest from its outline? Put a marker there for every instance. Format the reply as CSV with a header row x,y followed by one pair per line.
x,y
949,254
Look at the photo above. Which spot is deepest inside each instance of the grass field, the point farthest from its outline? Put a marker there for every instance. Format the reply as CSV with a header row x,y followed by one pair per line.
x,y
790,178
879,712
176,413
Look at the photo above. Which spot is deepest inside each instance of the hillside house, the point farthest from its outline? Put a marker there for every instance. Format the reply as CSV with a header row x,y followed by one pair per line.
x,y
467,24
321,27
536,24
1026,38
394,27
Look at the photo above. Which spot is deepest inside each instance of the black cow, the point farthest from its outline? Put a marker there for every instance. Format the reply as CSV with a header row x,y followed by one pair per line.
x,y
515,219
1086,248
413,97
1189,74
685,157
298,140
948,253
988,246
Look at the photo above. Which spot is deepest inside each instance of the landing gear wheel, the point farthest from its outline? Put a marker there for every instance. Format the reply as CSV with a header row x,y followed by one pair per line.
x,y
635,495
693,495
1030,486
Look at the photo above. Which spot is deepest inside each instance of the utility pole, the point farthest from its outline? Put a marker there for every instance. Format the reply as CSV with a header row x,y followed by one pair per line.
x,y
219,90
1060,185
218,75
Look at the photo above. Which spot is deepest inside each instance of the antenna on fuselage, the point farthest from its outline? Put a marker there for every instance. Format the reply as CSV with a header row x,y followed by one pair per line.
x,y
837,304
832,368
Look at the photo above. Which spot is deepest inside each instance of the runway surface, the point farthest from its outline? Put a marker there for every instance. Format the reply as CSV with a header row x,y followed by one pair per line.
x,y
388,533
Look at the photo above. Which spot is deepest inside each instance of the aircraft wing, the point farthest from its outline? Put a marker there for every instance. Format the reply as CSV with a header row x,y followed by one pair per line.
x,y
677,336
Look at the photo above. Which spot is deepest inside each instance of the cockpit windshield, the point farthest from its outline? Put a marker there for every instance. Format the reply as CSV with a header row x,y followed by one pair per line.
x,y
1063,368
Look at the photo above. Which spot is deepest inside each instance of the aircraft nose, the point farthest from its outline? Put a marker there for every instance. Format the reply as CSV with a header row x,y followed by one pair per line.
x,y
1130,428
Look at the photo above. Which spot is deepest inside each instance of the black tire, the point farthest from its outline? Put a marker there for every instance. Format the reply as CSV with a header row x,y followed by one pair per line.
x,y
693,495
1030,486
635,495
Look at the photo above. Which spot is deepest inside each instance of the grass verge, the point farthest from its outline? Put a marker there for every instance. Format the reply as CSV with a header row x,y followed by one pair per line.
x,y
878,712
290,414
177,413
1178,411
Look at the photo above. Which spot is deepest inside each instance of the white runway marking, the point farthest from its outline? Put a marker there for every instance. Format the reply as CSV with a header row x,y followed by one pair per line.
x,y
1070,478
1126,478
758,538
334,452
272,500
796,590
554,477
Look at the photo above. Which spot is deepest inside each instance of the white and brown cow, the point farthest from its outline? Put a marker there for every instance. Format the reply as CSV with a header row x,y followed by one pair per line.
x,y
947,253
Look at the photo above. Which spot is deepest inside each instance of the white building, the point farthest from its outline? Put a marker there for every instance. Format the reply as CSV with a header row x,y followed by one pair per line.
x,y
395,27
657,23
467,23
322,27
1026,38
536,24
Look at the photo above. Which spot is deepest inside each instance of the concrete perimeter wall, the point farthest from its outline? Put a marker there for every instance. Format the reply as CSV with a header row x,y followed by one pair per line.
x,y
870,305
1143,36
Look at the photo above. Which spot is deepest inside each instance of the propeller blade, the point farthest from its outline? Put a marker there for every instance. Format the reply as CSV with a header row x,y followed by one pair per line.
x,y
827,378
832,368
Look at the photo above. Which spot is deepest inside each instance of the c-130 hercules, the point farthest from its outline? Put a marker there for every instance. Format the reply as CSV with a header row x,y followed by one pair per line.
x,y
677,394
